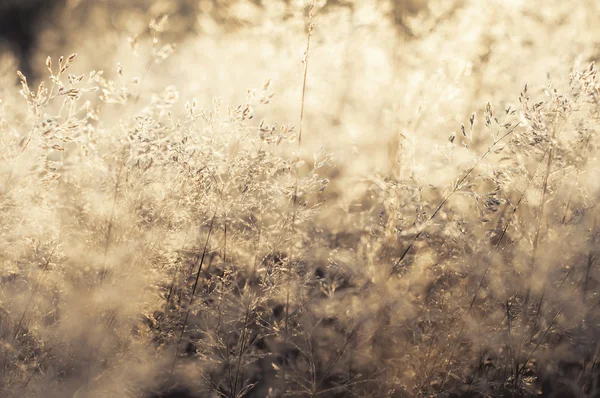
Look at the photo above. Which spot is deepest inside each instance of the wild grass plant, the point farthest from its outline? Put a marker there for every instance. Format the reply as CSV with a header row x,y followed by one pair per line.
x,y
317,200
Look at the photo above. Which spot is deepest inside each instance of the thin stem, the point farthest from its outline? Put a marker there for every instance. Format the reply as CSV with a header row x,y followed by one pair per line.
x,y
111,219
295,197
584,158
205,250
35,370
456,187
590,260
493,253
33,293
242,344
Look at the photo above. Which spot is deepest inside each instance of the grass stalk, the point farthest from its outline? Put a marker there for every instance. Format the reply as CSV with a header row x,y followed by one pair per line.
x,y
192,295
309,34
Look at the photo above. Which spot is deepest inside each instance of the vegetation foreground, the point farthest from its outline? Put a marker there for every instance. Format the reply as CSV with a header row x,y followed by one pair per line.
x,y
390,212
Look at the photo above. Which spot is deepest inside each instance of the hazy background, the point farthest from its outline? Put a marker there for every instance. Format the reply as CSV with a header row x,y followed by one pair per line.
x,y
351,262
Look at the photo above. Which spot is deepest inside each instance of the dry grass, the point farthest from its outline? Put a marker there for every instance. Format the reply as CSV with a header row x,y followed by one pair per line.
x,y
303,198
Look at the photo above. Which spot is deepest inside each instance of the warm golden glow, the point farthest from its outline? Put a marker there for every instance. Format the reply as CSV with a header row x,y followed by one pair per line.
x,y
261,199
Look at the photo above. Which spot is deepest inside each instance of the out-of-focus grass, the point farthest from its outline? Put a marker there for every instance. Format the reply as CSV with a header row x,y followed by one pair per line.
x,y
434,233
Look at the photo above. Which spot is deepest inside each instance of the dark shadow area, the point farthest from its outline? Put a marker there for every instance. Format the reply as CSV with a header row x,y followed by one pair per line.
x,y
20,22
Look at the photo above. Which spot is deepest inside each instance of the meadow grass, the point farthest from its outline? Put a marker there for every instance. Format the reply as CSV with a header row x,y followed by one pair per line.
x,y
310,198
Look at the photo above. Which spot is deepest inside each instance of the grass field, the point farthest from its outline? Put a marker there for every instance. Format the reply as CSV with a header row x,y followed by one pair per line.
x,y
291,198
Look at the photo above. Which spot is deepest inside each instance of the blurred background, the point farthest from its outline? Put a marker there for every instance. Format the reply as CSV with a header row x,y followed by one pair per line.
x,y
391,89
377,67
375,56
